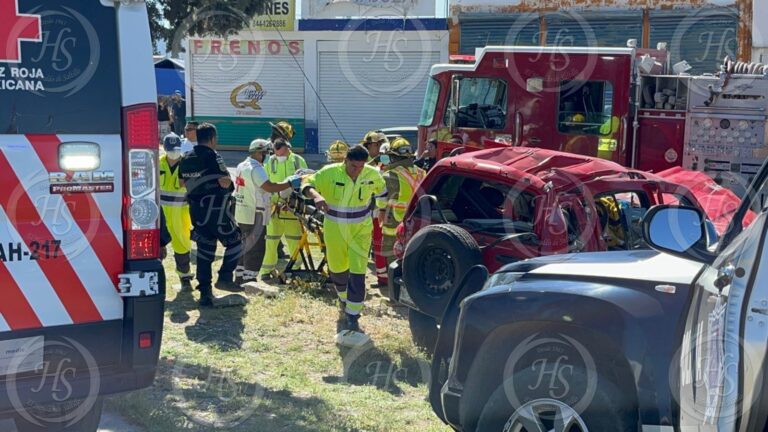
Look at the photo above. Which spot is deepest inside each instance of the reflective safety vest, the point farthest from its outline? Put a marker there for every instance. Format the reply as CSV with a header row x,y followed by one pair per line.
x,y
279,171
250,197
172,193
349,202
400,191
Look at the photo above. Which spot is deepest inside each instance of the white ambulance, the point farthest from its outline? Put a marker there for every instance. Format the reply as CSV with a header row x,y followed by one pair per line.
x,y
81,285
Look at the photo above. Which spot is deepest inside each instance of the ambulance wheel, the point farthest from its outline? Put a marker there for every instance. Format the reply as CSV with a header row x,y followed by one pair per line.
x,y
87,421
423,329
435,261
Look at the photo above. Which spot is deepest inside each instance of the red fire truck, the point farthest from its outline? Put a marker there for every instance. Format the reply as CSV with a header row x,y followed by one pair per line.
x,y
619,104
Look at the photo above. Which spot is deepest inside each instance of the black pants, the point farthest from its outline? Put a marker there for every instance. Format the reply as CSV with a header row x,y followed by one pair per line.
x,y
254,247
214,224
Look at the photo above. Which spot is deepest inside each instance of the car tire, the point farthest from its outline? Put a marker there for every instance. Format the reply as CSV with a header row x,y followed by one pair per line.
x,y
605,410
89,421
423,329
448,251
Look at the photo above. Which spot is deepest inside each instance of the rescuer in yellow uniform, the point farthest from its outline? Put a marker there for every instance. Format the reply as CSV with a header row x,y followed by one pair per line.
x,y
280,166
176,209
402,178
344,192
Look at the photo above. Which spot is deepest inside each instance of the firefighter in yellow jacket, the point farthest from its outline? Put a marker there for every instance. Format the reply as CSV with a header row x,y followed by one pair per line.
x,y
402,178
344,192
176,209
280,166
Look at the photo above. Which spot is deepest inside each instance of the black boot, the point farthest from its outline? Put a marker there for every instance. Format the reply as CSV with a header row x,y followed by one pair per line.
x,y
230,286
186,285
352,323
208,300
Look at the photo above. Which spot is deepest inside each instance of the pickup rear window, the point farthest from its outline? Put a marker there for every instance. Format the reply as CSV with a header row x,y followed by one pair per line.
x,y
67,79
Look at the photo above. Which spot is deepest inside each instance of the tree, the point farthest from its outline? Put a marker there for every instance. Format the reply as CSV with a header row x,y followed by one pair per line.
x,y
172,21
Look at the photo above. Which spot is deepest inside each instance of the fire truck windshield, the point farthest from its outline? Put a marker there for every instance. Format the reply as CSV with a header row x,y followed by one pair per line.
x,y
430,103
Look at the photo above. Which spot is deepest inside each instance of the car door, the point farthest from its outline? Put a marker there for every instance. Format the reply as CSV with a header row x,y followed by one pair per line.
x,y
723,349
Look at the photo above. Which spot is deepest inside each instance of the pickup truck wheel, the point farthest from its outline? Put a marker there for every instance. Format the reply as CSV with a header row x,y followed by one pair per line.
x,y
88,421
530,401
423,329
435,261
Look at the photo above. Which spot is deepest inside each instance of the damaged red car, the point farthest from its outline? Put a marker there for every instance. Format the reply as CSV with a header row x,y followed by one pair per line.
x,y
502,205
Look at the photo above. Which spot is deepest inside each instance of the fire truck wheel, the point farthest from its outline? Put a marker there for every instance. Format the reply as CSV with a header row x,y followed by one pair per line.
x,y
435,261
88,422
423,329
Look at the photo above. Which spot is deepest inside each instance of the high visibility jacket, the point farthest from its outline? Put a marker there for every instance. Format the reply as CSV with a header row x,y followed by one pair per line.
x,y
172,193
402,183
251,199
347,225
279,171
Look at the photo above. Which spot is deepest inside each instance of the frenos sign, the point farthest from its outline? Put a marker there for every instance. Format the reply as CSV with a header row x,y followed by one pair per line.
x,y
245,47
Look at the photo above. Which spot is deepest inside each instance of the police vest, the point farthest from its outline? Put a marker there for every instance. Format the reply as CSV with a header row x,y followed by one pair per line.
x,y
251,199
172,194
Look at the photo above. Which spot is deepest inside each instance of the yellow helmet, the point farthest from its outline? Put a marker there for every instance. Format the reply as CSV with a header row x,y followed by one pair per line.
x,y
400,147
284,129
337,151
579,118
373,137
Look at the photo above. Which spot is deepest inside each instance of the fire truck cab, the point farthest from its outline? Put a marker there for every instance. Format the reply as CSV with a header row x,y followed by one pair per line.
x,y
619,104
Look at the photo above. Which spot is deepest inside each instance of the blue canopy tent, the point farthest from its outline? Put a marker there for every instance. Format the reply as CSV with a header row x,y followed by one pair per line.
x,y
169,74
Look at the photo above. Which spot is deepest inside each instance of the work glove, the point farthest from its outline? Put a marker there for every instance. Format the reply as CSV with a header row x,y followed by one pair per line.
x,y
295,181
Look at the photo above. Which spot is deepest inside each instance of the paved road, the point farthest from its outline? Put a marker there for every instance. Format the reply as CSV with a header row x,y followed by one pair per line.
x,y
109,423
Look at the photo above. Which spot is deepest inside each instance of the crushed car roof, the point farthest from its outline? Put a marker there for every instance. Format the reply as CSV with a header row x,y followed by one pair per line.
x,y
542,165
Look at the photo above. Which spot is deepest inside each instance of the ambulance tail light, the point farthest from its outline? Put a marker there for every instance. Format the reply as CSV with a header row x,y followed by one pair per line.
x,y
399,247
141,215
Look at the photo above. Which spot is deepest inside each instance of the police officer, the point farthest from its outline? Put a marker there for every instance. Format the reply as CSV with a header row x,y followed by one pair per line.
x,y
344,192
281,165
176,209
209,188
253,191
403,180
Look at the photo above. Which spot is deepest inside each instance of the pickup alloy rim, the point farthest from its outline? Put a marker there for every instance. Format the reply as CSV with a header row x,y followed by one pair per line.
x,y
545,415
438,271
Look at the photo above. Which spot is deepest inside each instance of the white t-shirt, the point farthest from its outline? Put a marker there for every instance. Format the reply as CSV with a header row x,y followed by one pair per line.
x,y
187,145
250,175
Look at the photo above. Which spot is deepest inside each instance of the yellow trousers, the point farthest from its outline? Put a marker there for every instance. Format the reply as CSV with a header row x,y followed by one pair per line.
x,y
280,226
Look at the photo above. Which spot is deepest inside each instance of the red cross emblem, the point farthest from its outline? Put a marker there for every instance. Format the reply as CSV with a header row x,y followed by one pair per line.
x,y
14,28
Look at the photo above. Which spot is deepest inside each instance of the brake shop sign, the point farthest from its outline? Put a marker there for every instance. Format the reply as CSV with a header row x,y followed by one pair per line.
x,y
247,78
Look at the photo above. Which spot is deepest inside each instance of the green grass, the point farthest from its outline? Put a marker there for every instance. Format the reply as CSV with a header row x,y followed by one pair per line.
x,y
274,366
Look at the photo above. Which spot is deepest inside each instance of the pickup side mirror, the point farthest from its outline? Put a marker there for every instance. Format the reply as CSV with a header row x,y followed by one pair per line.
x,y
678,230
425,205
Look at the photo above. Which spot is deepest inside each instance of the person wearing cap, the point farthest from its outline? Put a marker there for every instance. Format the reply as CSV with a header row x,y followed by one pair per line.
x,y
372,141
253,191
176,209
283,223
344,193
179,111
337,151
403,180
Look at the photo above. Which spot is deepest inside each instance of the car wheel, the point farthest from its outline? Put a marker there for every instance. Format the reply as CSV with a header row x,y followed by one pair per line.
x,y
71,420
526,403
423,329
435,261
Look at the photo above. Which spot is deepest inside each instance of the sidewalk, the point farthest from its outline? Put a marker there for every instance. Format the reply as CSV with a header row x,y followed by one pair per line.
x,y
110,422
